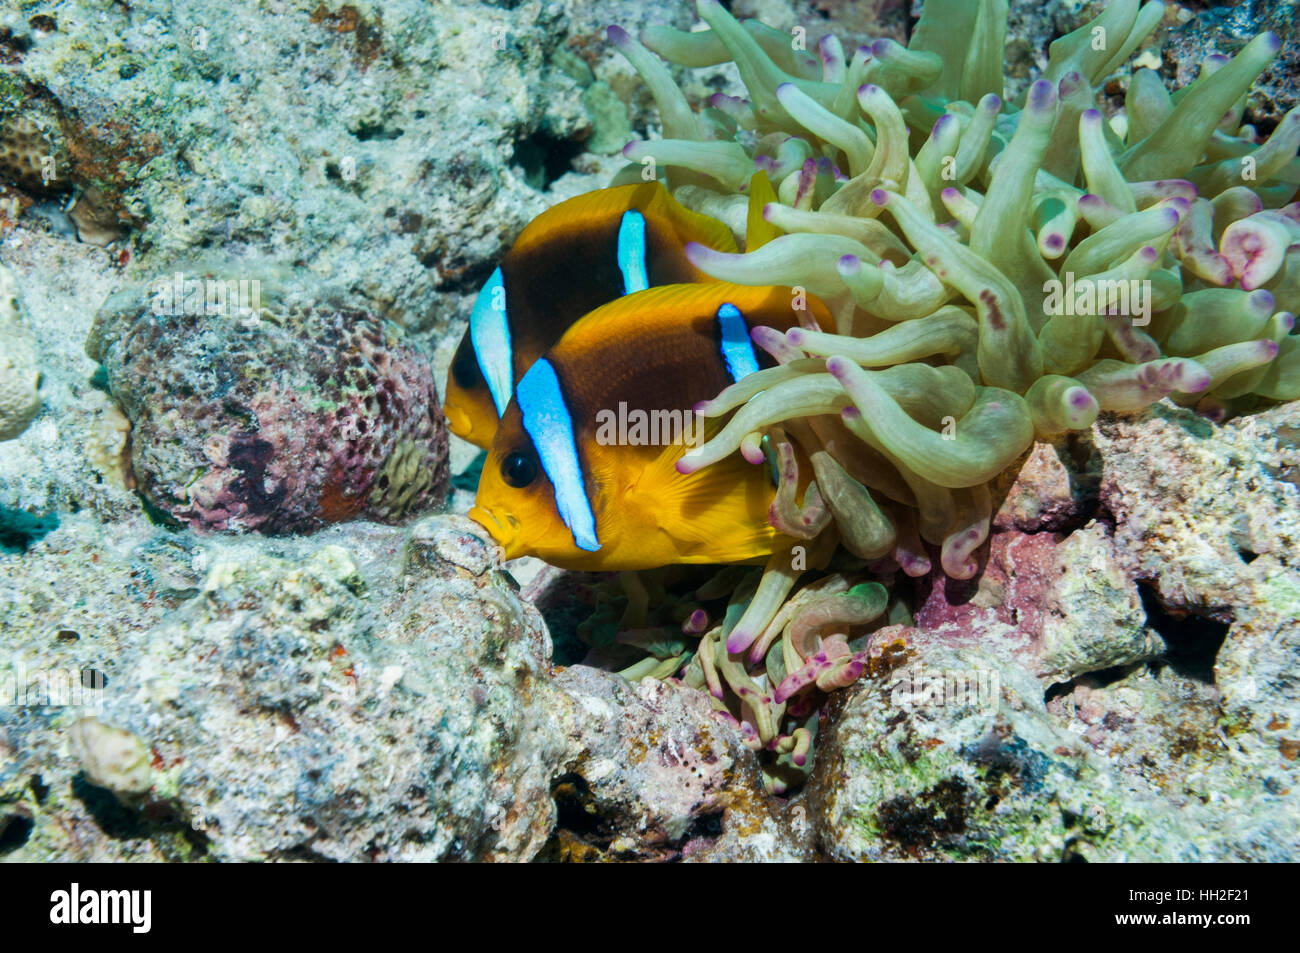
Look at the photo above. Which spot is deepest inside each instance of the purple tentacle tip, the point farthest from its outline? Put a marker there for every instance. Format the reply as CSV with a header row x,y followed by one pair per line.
x,y
740,640
616,34
848,264
1263,300
838,366
796,337
1194,378
696,253
1069,83
1042,95
879,197
1055,242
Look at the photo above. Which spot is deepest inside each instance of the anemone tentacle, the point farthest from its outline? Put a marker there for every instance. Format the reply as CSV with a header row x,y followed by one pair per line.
x,y
998,272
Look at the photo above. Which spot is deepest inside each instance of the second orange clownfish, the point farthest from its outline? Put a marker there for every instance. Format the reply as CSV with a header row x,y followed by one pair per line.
x,y
570,260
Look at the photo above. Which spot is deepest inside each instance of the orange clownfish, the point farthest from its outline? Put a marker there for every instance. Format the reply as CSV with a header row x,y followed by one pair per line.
x,y
583,469
570,260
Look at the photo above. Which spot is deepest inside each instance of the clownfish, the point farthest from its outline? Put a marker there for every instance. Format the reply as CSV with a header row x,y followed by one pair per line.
x,y
570,260
583,472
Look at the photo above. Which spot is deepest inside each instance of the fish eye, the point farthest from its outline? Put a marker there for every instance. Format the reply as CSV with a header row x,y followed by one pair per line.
x,y
464,370
519,469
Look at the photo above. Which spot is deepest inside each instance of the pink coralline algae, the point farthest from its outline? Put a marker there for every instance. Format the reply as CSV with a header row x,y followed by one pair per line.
x,y
279,417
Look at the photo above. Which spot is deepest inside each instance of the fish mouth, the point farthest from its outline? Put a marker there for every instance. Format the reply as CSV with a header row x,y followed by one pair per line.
x,y
503,531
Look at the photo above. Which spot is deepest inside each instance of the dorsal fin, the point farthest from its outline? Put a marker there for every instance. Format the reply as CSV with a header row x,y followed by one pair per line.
x,y
608,205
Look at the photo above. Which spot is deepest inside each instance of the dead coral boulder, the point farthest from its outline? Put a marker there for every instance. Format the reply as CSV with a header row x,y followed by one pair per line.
x,y
270,407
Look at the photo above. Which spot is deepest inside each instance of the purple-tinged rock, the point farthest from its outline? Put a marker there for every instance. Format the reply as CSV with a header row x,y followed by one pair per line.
x,y
254,407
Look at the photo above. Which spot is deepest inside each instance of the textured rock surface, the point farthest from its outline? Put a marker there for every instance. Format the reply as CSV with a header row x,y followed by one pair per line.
x,y
658,778
292,712
404,143
274,409
1119,677
365,694
20,398
1205,29
1122,694
955,775
72,456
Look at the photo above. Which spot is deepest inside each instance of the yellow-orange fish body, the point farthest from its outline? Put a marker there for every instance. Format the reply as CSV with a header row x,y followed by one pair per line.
x,y
582,472
570,260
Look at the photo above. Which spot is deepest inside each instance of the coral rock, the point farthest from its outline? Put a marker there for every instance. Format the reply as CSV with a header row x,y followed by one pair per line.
x,y
20,399
657,778
1095,617
29,157
281,419
1048,492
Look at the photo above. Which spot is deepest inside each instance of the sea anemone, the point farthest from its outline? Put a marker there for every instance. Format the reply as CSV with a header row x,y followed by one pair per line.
x,y
677,622
997,271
